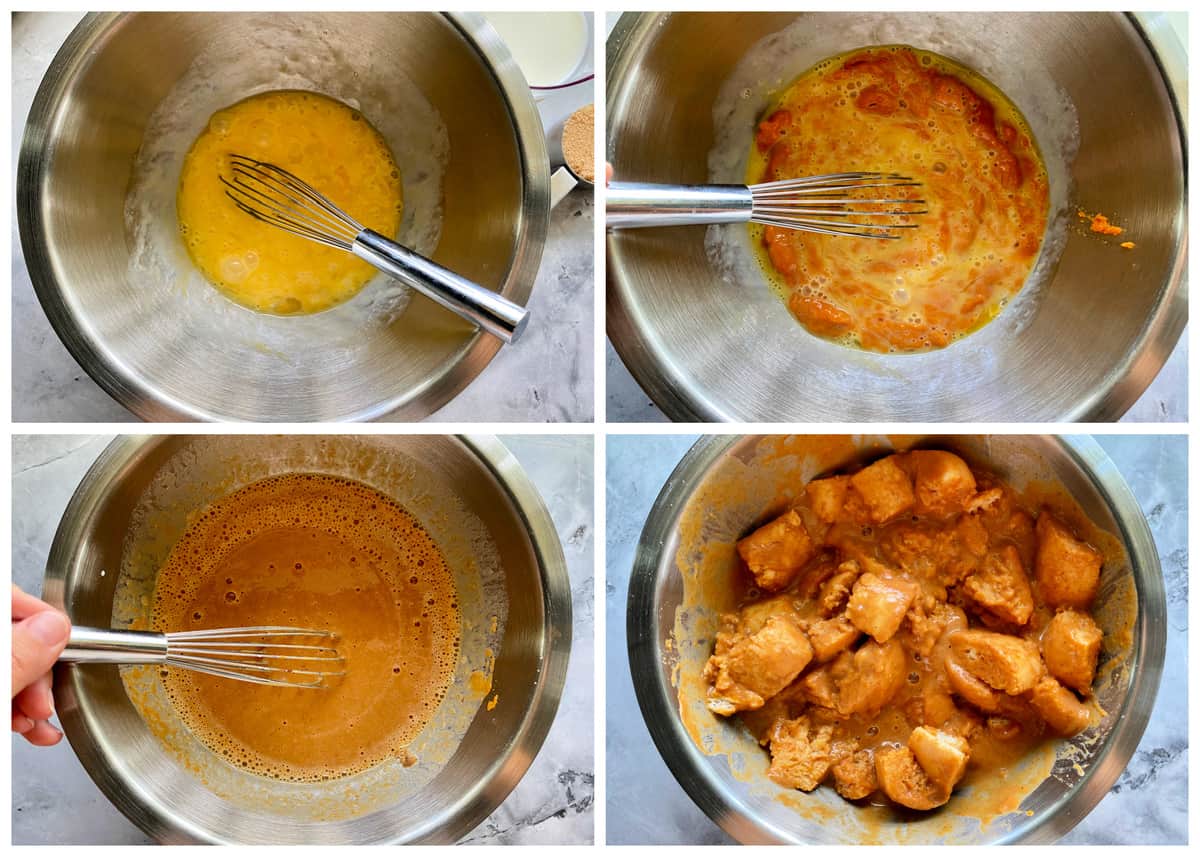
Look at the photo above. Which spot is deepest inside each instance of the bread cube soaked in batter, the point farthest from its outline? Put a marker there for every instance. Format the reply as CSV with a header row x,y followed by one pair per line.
x,y
1060,708
1002,661
776,552
1071,647
885,488
826,497
877,675
854,775
830,637
943,482
801,754
904,781
1068,570
747,670
1000,586
941,755
878,605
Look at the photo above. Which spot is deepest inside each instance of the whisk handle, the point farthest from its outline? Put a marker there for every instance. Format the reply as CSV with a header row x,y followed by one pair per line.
x,y
493,313
632,205
107,646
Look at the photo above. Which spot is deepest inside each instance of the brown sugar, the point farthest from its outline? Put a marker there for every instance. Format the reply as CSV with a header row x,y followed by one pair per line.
x,y
578,143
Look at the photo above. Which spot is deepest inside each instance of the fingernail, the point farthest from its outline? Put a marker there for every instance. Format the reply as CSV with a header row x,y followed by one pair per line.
x,y
22,724
49,627
50,701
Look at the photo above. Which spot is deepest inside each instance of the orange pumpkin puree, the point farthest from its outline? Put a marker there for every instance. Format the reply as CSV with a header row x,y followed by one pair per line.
x,y
899,109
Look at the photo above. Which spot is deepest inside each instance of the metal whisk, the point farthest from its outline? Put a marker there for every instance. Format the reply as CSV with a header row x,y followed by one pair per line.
x,y
268,654
273,195
860,199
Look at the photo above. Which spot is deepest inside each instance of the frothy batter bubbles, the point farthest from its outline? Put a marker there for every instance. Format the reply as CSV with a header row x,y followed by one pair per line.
x,y
321,552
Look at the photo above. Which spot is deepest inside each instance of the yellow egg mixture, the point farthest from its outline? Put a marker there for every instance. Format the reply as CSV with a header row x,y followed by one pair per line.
x,y
323,141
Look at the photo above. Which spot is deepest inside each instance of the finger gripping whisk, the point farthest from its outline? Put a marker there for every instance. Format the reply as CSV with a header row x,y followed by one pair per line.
x,y
854,204
274,196
266,654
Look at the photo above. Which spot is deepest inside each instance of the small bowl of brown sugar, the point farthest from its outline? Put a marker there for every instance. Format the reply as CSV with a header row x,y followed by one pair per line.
x,y
578,144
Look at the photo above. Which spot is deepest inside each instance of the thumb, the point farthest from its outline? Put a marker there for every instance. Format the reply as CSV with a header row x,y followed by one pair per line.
x,y
36,644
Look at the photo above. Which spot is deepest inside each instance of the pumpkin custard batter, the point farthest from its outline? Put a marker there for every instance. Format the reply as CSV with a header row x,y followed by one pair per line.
x,y
905,625
323,141
898,109
320,552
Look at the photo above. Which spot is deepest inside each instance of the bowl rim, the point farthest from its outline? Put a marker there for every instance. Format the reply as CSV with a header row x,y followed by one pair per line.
x,y
144,399
695,771
1123,384
108,771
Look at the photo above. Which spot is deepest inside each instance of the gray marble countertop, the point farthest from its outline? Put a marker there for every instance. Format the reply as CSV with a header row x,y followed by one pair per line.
x,y
1148,804
546,377
54,800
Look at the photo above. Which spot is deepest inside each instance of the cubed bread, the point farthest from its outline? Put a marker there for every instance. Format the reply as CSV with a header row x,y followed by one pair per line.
x,y
884,488
826,497
768,661
835,591
751,669
941,755
1002,661
1071,647
904,781
943,483
819,686
970,689
877,674
1068,570
1001,587
830,637
801,754
776,552
1061,709
878,604
854,775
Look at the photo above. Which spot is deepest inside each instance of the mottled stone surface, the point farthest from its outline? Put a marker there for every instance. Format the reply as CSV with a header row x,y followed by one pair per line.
x,y
1148,803
54,800
547,376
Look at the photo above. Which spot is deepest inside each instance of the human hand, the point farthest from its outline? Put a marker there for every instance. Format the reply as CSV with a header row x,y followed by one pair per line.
x,y
39,635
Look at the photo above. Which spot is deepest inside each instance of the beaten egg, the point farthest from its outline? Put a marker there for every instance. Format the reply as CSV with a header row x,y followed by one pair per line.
x,y
326,143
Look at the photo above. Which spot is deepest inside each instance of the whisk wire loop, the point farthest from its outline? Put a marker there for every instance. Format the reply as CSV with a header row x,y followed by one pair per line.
x,y
274,655
860,199
274,196
804,204
256,654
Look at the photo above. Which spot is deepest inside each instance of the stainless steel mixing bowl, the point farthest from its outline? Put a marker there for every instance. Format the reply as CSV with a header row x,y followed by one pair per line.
x,y
722,487
131,507
1103,319
170,353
